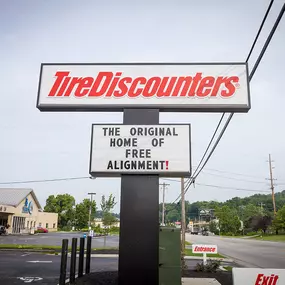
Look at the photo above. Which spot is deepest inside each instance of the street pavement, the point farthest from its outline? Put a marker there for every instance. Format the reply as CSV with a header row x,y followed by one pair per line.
x,y
21,267
17,267
56,239
246,252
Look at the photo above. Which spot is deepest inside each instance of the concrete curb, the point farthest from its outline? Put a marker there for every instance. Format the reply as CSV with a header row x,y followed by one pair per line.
x,y
212,258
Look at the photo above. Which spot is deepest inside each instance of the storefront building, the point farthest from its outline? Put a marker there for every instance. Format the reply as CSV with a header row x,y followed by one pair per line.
x,y
21,211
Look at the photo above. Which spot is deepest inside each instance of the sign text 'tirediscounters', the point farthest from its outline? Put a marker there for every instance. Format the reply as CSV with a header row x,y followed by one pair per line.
x,y
140,149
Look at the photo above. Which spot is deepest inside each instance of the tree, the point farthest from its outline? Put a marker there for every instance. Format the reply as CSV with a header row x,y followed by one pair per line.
x,y
173,216
213,227
247,213
229,222
63,204
279,220
260,223
82,213
107,206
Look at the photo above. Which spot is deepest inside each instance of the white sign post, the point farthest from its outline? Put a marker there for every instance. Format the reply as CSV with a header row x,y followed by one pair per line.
x,y
140,149
204,249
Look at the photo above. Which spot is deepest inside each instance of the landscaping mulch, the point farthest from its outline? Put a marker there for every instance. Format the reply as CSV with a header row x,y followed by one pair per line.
x,y
111,277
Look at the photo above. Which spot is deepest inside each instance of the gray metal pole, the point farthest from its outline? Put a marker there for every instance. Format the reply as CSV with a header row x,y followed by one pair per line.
x,y
90,208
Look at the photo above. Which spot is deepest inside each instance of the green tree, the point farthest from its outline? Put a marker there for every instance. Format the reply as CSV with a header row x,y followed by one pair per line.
x,y
279,220
248,212
107,206
229,222
63,204
213,227
82,213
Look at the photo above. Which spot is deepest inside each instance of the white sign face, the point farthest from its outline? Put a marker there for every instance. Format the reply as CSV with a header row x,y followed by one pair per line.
x,y
204,248
204,87
140,149
258,276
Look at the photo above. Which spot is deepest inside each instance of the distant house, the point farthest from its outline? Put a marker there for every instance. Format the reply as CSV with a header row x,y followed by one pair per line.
x,y
21,210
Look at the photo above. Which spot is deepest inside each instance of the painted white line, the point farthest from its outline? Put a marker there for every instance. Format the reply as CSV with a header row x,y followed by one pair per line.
x,y
40,261
26,254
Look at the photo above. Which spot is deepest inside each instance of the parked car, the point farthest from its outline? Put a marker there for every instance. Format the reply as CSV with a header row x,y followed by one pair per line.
x,y
205,233
42,230
3,230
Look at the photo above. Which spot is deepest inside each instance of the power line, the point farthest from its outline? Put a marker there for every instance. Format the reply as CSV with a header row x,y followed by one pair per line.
x,y
232,188
233,173
233,178
213,136
45,180
259,30
190,181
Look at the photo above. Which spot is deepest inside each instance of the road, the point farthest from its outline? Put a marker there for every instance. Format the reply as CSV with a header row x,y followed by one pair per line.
x,y
246,252
19,267
56,239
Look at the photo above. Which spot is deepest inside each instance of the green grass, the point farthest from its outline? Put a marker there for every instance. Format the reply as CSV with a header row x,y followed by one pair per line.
x,y
188,252
188,243
29,246
271,238
45,247
228,268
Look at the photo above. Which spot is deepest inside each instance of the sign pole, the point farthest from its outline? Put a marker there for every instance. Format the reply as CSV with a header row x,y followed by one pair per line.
x,y
139,216
204,258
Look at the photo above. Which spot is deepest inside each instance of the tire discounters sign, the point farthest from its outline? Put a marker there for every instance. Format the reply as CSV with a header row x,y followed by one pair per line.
x,y
140,149
204,248
200,87
258,276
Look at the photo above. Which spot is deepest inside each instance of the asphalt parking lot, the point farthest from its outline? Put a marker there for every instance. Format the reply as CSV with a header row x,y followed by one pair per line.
x,y
26,267
56,239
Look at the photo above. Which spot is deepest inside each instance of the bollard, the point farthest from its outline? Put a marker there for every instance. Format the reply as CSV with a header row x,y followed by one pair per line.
x,y
64,251
81,257
73,260
88,254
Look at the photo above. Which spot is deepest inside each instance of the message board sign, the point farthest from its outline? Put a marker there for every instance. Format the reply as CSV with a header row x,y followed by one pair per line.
x,y
258,276
199,87
140,149
204,248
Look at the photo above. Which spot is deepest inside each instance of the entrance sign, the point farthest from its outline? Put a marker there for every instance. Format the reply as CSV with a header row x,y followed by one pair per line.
x,y
195,87
204,248
140,149
258,276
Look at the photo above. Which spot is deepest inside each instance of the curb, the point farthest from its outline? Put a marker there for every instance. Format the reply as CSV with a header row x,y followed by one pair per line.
x,y
28,250
222,268
213,258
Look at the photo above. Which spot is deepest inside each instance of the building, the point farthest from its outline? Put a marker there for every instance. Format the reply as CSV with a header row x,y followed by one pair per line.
x,y
21,210
98,222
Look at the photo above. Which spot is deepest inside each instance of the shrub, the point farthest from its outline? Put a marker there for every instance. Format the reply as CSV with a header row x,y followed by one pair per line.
x,y
211,266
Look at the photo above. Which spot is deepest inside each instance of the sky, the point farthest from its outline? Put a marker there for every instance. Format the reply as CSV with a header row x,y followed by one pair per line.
x,y
35,145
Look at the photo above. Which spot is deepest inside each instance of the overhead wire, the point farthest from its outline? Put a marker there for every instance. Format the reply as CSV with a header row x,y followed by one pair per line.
x,y
192,179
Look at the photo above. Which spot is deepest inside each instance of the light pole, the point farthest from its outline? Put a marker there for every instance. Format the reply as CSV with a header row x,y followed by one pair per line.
x,y
90,209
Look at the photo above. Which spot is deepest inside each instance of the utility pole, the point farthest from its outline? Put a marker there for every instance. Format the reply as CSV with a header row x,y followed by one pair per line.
x,y
272,185
163,201
90,209
183,222
261,205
